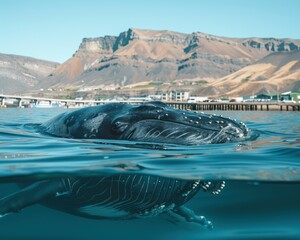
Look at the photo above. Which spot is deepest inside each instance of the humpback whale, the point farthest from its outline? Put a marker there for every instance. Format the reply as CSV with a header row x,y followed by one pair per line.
x,y
127,196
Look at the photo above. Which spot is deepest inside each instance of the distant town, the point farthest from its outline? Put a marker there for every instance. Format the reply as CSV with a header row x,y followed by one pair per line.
x,y
182,97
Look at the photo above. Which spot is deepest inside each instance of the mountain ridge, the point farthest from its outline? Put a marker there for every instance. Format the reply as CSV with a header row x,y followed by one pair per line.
x,y
163,56
22,73
138,56
278,71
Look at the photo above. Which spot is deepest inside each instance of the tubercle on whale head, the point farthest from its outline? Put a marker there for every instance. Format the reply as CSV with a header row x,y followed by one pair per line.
x,y
155,121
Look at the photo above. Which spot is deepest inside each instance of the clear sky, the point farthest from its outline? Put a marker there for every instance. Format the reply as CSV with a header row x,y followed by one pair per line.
x,y
53,29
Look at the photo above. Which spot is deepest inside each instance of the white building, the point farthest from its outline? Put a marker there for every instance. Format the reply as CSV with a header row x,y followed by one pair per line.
x,y
175,96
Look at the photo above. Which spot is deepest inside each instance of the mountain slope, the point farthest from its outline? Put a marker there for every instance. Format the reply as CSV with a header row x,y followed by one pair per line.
x,y
19,73
160,56
278,70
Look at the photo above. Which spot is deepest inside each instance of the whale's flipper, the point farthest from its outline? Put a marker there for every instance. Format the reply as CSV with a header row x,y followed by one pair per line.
x,y
213,187
190,216
30,195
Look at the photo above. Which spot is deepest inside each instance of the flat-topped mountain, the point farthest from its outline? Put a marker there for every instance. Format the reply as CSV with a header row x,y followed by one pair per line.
x,y
160,56
211,65
19,73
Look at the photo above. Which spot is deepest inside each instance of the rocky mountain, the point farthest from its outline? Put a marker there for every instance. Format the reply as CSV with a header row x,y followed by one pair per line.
x,y
160,56
276,72
19,74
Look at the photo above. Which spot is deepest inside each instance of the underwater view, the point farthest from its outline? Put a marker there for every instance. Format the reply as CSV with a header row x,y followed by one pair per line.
x,y
259,164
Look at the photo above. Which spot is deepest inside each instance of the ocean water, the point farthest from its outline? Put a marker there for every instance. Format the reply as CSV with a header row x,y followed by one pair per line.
x,y
261,199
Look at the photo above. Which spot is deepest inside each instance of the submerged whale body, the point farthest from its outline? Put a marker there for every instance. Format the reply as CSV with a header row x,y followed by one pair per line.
x,y
125,196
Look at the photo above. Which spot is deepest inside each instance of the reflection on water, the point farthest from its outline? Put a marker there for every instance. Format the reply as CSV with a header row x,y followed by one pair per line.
x,y
260,201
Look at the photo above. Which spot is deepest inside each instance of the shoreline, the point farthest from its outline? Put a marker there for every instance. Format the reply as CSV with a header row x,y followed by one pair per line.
x,y
201,106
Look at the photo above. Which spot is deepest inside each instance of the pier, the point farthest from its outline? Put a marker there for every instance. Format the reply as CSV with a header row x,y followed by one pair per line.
x,y
237,106
22,101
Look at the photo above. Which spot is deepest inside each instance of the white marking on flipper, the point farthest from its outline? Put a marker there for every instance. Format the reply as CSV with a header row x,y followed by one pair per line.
x,y
4,215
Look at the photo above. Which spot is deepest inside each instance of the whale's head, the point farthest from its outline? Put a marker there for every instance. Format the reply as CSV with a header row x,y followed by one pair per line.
x,y
156,122
148,122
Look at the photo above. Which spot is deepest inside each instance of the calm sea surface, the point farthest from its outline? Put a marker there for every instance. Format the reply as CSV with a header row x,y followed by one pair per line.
x,y
261,199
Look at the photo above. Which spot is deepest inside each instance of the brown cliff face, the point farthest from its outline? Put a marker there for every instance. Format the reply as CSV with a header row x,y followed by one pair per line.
x,y
160,56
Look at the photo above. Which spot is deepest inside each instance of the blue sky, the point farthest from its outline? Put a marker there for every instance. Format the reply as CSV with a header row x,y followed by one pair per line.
x,y
53,30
